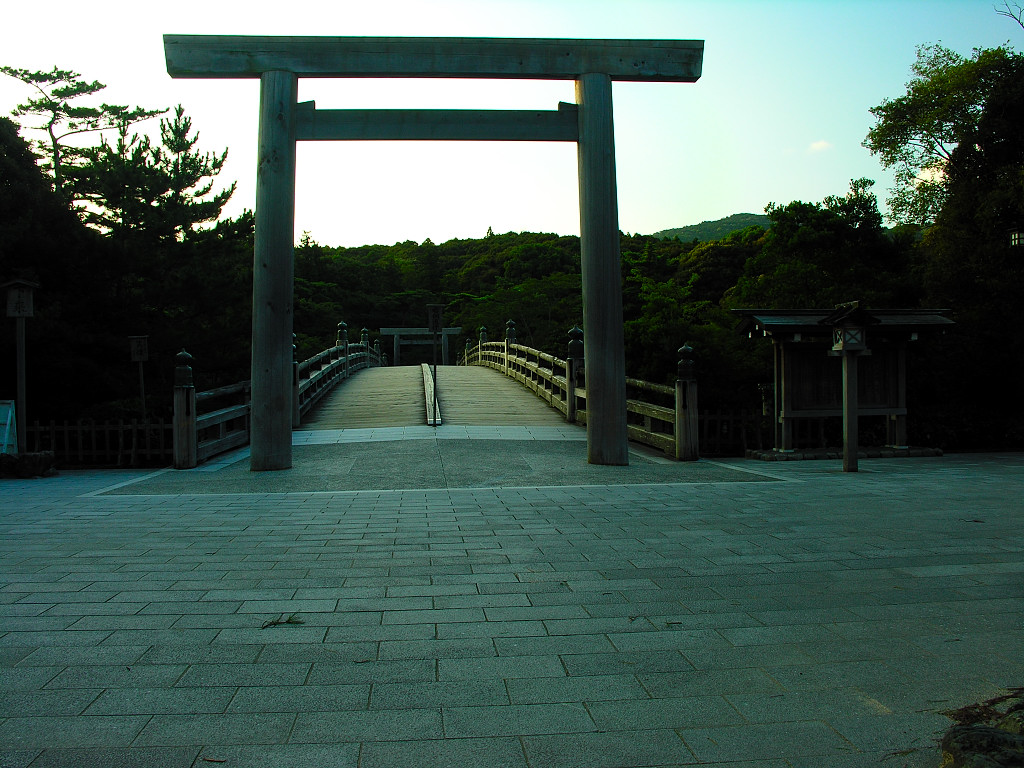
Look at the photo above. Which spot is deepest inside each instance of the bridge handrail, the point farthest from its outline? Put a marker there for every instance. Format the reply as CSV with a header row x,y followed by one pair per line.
x,y
202,433
321,373
659,415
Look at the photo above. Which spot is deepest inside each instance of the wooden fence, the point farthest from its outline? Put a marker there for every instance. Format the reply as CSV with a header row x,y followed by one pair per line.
x,y
87,443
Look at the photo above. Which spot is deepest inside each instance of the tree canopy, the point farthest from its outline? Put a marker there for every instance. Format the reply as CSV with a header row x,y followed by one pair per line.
x,y
56,102
917,133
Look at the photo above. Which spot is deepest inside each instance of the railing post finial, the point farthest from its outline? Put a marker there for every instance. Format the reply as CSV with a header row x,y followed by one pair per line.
x,y
685,366
342,334
510,331
183,369
483,334
575,349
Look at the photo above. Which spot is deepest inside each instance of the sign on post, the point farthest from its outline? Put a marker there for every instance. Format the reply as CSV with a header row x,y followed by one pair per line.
x,y
140,348
19,300
435,318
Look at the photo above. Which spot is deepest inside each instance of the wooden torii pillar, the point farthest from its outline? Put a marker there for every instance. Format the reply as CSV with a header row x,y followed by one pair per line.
x,y
280,61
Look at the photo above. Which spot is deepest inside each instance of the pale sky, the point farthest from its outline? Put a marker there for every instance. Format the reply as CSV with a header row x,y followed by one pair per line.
x,y
778,115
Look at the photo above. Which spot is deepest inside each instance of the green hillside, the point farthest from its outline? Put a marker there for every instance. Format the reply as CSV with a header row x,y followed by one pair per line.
x,y
715,230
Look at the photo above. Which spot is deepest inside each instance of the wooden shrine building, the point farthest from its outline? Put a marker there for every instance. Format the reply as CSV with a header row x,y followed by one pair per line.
x,y
848,361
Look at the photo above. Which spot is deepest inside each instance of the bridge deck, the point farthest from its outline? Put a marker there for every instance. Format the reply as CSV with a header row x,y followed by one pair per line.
x,y
393,397
477,396
373,397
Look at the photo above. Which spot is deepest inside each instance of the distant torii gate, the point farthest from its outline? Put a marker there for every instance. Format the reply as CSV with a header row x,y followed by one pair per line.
x,y
423,336
280,61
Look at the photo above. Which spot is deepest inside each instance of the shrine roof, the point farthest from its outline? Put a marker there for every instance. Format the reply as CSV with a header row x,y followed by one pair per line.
x,y
812,321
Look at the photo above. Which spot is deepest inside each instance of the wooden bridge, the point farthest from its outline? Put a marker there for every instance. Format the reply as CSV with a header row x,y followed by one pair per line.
x,y
394,397
503,384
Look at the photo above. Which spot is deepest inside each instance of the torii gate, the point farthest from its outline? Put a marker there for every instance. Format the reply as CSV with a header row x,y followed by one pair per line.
x,y
280,61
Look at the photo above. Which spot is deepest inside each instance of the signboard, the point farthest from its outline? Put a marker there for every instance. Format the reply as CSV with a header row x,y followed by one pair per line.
x,y
8,428
435,318
140,348
19,300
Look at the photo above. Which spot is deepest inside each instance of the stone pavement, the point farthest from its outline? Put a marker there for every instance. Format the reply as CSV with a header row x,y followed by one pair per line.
x,y
719,613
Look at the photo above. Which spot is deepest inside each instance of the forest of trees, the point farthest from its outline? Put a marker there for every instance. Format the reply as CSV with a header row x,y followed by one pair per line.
x,y
126,237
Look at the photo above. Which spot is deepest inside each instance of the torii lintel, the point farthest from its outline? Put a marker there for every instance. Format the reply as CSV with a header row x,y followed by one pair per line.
x,y
233,56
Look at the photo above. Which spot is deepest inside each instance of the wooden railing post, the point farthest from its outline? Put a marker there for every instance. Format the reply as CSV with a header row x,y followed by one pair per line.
x,y
186,443
573,363
510,339
343,343
468,347
481,342
686,428
296,405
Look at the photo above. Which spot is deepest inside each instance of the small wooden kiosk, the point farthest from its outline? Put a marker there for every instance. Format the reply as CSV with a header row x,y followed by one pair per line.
x,y
847,362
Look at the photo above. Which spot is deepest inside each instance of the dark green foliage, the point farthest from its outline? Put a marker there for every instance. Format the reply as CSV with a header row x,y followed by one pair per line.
x,y
819,255
150,194
918,133
719,229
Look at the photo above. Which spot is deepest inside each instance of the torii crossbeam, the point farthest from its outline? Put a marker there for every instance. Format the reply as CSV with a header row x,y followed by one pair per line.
x,y
280,61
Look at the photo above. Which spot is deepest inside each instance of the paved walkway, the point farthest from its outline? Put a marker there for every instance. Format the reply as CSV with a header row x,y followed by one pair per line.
x,y
730,614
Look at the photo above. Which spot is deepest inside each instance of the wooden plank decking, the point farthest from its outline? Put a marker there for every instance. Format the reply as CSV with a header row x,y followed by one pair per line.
x,y
373,397
393,397
477,396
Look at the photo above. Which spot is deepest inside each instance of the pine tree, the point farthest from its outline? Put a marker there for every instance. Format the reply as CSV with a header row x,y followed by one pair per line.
x,y
63,117
137,191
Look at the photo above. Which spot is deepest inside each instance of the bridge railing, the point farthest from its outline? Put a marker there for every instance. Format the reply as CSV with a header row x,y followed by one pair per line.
x,y
662,416
545,375
321,373
217,420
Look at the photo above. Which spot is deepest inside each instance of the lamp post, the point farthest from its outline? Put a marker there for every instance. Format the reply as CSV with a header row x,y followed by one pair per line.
x,y
19,306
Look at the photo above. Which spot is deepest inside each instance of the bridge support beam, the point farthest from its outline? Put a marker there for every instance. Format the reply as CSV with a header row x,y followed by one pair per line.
x,y
274,275
604,347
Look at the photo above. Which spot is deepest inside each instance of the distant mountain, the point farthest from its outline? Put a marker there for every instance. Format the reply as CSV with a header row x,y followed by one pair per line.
x,y
715,230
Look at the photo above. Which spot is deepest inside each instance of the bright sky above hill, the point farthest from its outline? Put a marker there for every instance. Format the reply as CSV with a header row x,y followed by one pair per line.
x,y
778,115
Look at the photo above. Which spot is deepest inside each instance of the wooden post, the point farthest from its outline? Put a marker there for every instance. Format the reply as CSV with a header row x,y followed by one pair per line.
x,y
896,427
686,426
850,435
573,361
510,339
296,405
784,385
604,353
21,416
274,275
186,444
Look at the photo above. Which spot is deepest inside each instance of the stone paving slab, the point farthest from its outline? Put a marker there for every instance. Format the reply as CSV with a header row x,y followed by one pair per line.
x,y
435,462
730,614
